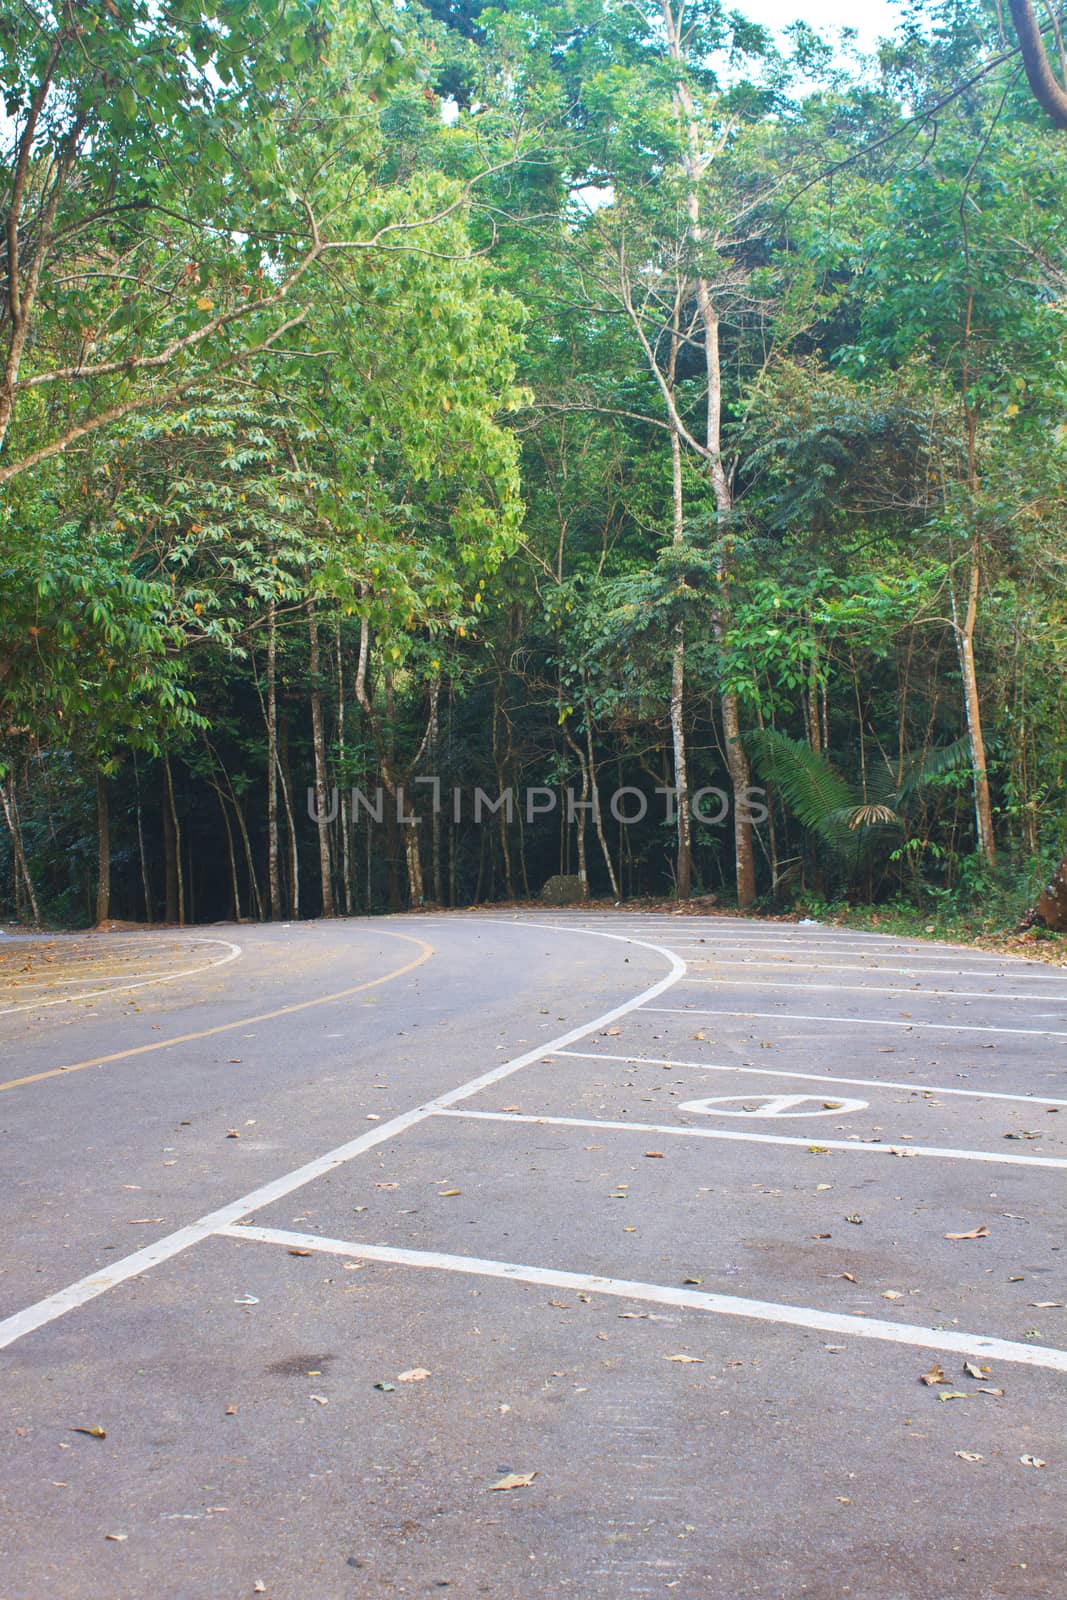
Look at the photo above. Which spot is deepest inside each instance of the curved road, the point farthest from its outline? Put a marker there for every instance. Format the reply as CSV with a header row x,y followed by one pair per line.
x,y
331,1227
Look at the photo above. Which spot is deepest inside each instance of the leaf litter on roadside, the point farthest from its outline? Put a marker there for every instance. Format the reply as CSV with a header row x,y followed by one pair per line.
x,y
514,1480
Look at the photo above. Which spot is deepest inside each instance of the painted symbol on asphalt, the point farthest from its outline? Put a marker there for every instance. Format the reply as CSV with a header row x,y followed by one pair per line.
x,y
772,1105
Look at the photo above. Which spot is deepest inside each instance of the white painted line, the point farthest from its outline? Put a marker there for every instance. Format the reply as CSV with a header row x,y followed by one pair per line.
x,y
873,969
818,1077
733,1135
974,1344
122,988
874,988
856,1022
85,1289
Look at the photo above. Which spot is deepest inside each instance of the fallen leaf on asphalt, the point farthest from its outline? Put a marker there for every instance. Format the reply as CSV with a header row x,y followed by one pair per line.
x,y
246,1300
372,1116
818,1150
936,1374
560,1305
140,1222
952,1394
614,1032
968,1455
1032,1461
831,1105
514,1480
847,1275
844,1499
699,1035
854,1218
232,1133
892,1294
231,1411
298,1250
414,1375
319,1399
259,1587
93,1433
998,1392
386,1388
120,1538
632,1316
821,1188
653,1155
1045,1305
689,1361
443,1194
387,1186
692,1280
629,1230
981,1232
975,1372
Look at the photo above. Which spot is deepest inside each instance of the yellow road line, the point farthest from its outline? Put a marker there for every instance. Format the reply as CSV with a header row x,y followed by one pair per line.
x,y
241,1022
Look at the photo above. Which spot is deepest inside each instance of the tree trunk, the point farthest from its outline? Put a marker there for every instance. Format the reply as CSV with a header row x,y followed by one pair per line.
x,y
14,828
145,883
964,631
740,777
319,743
285,784
274,876
346,862
172,835
103,851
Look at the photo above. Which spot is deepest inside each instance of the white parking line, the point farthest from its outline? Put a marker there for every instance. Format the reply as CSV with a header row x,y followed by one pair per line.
x,y
733,1135
873,969
172,1244
856,1022
808,1077
973,1344
143,983
873,988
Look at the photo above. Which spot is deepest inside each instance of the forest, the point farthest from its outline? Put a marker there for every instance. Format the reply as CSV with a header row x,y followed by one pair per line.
x,y
449,449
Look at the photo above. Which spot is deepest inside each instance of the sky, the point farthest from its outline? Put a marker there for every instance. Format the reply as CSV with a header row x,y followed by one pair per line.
x,y
872,19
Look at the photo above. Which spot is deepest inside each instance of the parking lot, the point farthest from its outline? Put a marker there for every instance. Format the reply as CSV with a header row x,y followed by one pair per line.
x,y
577,1254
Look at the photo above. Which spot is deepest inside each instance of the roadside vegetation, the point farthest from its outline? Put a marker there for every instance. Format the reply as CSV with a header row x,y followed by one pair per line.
x,y
585,400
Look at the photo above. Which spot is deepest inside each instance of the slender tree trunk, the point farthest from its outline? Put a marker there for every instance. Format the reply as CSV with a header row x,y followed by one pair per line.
x,y
684,864
964,631
14,828
274,876
285,784
346,864
103,850
319,742
145,883
173,840
695,161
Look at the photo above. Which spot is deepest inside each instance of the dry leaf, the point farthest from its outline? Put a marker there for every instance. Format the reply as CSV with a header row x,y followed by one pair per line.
x,y
998,1392
259,1587
560,1305
297,1250
140,1222
856,1219
120,1538
319,1399
981,1232
443,1194
1046,1305
93,1433
818,1150
847,1275
514,1480
953,1394
821,1188
892,1294
699,1035
689,1361
936,1374
968,1455
1032,1461
654,1155
414,1375
231,1411
975,1372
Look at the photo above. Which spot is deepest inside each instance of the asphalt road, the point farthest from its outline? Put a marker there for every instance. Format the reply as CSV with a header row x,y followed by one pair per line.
x,y
332,1227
